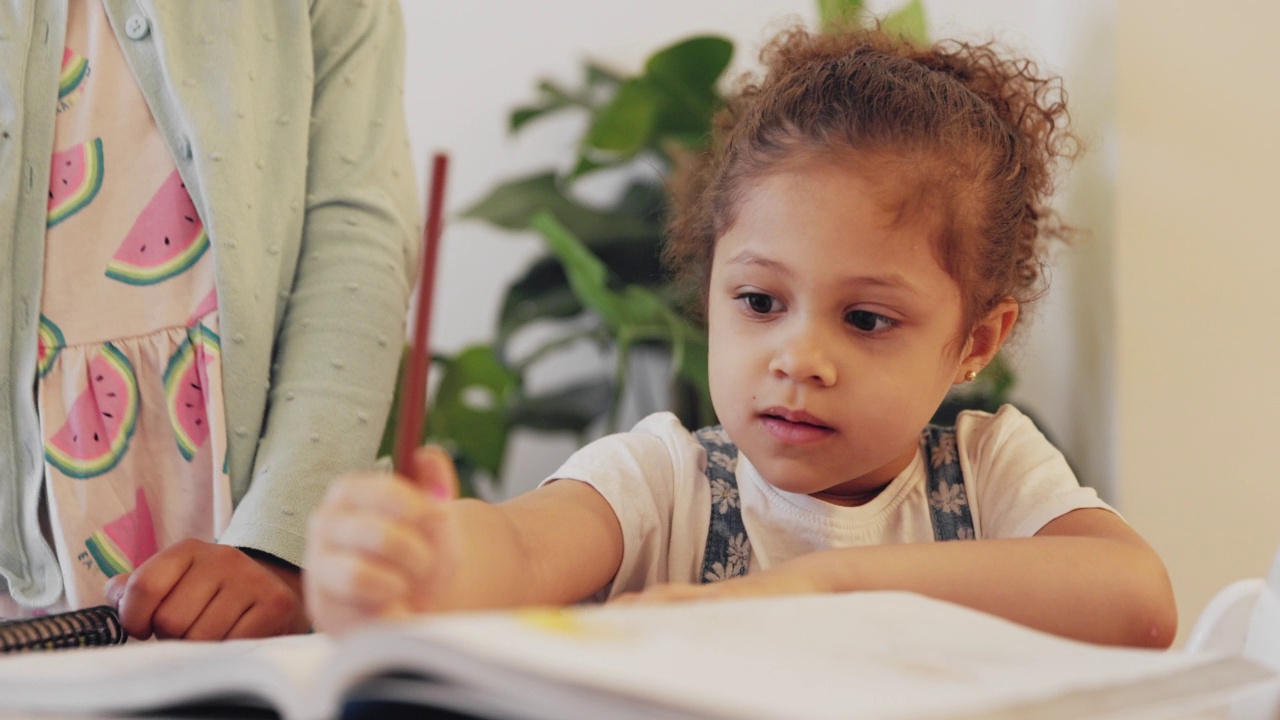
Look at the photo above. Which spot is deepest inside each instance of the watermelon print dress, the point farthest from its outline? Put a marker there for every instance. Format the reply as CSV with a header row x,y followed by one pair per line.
x,y
130,381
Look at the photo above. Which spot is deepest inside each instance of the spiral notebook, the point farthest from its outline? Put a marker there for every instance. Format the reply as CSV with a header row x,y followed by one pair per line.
x,y
80,628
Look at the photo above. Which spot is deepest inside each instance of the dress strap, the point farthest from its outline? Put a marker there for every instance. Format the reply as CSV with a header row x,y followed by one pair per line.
x,y
948,502
728,552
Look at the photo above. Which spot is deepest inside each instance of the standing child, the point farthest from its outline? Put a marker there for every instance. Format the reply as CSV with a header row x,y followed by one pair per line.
x,y
866,229
204,295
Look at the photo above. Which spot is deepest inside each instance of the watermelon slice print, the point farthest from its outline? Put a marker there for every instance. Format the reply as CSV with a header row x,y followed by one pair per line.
x,y
167,238
186,382
126,542
49,343
206,306
75,69
101,420
75,177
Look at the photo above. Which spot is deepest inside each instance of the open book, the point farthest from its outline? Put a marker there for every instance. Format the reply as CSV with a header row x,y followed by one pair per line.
x,y
860,655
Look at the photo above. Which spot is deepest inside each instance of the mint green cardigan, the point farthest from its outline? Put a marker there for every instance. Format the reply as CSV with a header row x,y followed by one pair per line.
x,y
285,118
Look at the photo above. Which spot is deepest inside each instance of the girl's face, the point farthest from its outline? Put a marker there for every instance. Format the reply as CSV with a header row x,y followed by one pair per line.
x,y
832,333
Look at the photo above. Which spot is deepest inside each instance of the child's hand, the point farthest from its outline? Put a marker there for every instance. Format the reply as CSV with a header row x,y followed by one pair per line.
x,y
382,546
205,591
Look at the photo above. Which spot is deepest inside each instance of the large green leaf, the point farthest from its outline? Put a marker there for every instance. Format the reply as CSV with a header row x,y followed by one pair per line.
x,y
675,97
469,414
684,78
908,21
694,64
624,125
634,313
588,276
833,14
551,99
599,75
627,237
590,160
513,204
543,292
632,310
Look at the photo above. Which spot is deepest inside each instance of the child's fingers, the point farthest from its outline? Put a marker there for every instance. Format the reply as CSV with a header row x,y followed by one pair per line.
x,y
223,613
433,471
150,584
355,580
114,589
189,599
381,494
400,545
334,614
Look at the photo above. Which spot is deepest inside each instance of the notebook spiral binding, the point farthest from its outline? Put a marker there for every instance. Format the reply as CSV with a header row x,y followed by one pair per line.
x,y
79,628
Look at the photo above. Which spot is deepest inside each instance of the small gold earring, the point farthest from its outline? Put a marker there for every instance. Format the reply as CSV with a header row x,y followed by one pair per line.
x,y
970,376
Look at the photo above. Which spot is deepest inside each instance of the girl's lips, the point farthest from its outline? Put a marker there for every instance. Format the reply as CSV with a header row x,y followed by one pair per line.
x,y
795,416
788,428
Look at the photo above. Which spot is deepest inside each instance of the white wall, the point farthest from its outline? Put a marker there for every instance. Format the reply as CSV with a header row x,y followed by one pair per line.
x,y
470,63
1198,287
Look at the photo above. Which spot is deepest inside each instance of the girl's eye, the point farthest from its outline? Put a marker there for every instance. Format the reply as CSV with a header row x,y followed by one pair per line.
x,y
758,303
869,322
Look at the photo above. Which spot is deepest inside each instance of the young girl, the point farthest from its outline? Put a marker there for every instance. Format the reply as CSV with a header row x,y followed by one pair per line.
x,y
208,211
868,226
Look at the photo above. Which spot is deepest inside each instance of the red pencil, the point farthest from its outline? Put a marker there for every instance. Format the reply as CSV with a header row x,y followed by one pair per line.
x,y
413,391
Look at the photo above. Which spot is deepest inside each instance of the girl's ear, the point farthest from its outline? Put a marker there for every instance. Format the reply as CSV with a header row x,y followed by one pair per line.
x,y
985,340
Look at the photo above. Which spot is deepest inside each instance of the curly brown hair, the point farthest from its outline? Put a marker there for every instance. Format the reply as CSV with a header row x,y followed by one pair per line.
x,y
955,130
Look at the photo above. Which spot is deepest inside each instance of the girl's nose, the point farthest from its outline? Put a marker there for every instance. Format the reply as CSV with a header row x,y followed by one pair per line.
x,y
804,358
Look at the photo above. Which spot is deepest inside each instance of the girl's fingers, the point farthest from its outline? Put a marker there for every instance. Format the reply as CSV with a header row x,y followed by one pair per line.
x,y
381,494
398,545
221,615
335,614
433,472
381,545
355,580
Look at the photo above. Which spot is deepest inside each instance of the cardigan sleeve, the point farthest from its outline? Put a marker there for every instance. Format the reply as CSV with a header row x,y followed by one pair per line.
x,y
337,350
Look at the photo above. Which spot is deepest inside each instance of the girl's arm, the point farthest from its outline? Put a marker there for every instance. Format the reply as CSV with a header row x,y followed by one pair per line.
x,y
382,547
1085,575
341,323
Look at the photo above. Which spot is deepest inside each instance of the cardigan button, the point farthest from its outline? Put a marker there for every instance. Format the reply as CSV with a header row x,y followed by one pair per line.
x,y
136,27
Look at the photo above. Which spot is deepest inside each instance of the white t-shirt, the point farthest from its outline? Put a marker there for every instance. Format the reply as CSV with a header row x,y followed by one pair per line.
x,y
1016,482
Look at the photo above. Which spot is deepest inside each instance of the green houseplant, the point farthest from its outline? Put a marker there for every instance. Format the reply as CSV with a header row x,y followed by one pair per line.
x,y
600,281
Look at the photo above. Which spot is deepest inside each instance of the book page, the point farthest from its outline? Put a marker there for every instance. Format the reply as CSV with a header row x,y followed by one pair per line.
x,y
139,676
859,655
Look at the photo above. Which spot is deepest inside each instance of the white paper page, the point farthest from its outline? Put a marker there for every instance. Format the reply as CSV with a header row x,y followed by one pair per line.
x,y
862,655
146,675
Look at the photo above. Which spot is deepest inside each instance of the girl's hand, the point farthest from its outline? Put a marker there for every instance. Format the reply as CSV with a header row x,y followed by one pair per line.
x,y
204,591
382,546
